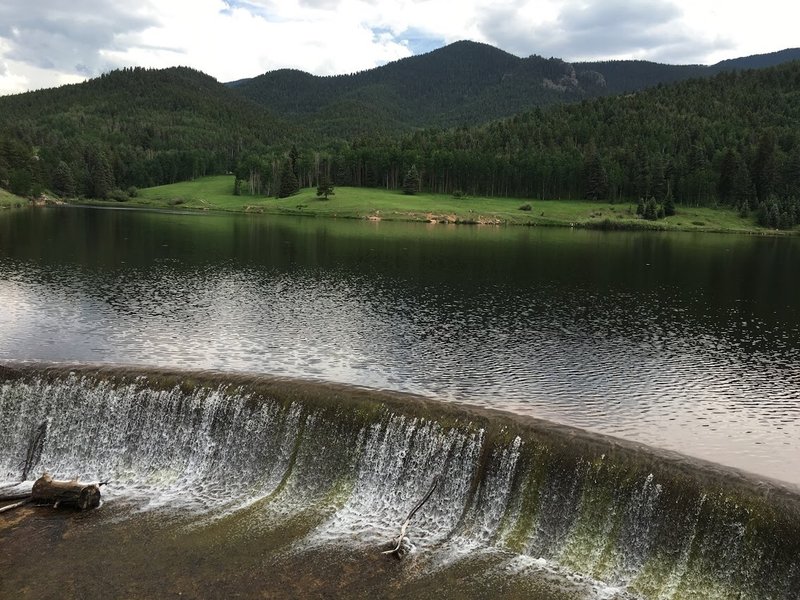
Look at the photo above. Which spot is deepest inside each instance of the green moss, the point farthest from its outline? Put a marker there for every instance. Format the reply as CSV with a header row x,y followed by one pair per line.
x,y
591,545
517,530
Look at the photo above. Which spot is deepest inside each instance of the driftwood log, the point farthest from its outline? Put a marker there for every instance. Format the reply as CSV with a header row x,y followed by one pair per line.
x,y
74,494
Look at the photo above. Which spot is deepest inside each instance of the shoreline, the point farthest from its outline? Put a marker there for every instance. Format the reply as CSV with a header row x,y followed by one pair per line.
x,y
214,194
432,218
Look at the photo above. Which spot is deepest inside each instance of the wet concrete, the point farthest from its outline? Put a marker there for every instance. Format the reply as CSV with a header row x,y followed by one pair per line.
x,y
117,552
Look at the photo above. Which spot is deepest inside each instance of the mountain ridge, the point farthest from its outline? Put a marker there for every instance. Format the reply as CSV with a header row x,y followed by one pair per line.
x,y
142,127
468,83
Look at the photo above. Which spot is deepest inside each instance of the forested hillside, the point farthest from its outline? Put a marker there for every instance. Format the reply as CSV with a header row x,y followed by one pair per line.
x,y
133,127
733,138
465,83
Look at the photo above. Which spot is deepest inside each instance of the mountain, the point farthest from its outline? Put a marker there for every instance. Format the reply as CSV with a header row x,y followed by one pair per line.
x,y
462,83
441,111
633,75
757,61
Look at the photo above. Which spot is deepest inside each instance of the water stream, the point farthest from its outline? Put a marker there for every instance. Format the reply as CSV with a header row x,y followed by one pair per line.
x,y
591,515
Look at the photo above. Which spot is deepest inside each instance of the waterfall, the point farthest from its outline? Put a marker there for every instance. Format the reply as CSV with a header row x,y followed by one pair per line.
x,y
353,462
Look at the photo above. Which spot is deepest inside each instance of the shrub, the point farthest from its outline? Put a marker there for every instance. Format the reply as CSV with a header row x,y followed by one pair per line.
x,y
118,195
526,207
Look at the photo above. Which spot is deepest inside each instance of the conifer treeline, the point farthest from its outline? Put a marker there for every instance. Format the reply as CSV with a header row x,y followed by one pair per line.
x,y
732,139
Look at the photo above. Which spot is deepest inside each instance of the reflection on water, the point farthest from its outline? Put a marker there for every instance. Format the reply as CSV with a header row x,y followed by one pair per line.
x,y
683,341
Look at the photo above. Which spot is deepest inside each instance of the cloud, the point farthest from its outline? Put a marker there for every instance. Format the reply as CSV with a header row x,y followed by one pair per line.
x,y
49,42
597,29
68,37
235,40
320,4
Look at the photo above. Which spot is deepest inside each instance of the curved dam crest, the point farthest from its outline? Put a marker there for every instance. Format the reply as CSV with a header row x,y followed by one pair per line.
x,y
586,516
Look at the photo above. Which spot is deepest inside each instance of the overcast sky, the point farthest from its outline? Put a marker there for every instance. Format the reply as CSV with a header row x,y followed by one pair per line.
x,y
45,43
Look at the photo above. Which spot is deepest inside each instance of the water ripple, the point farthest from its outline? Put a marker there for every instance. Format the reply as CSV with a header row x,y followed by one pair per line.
x,y
669,362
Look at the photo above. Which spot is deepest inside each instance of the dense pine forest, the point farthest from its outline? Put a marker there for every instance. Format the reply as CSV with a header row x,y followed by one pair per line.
x,y
132,127
731,138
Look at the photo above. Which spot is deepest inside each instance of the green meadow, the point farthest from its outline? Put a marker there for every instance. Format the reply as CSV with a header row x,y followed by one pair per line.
x,y
216,194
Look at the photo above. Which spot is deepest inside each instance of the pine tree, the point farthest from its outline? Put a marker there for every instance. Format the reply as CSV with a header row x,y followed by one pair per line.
x,y
726,188
764,167
762,215
651,210
774,216
324,187
669,205
658,179
596,177
641,178
411,181
20,182
288,184
743,192
294,159
63,181
101,178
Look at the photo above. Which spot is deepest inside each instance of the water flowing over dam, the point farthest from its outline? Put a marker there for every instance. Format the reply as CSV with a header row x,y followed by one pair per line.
x,y
573,514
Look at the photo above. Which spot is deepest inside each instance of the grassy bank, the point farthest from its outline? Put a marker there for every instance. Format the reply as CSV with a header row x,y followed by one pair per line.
x,y
216,193
9,200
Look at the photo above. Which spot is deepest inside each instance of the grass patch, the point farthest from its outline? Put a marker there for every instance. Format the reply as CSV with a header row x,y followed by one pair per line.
x,y
9,200
216,193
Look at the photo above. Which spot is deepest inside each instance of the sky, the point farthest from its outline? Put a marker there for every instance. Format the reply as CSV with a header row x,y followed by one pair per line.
x,y
46,43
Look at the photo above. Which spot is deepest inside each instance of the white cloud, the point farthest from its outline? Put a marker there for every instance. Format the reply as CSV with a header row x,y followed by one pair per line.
x,y
49,42
231,42
591,29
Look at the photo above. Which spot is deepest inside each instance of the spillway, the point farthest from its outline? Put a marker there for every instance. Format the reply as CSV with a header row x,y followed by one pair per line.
x,y
552,508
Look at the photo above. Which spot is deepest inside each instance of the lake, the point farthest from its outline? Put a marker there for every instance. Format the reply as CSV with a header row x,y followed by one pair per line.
x,y
688,342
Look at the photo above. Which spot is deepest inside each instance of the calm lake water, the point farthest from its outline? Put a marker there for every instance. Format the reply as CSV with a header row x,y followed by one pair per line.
x,y
684,341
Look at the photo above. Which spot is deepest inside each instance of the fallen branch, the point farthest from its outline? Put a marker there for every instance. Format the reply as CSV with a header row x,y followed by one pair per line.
x,y
34,452
399,550
16,505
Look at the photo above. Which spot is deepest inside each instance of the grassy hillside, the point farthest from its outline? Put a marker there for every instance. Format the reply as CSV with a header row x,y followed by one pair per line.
x,y
9,200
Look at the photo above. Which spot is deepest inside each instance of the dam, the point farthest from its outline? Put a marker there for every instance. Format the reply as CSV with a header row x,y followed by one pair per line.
x,y
256,486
